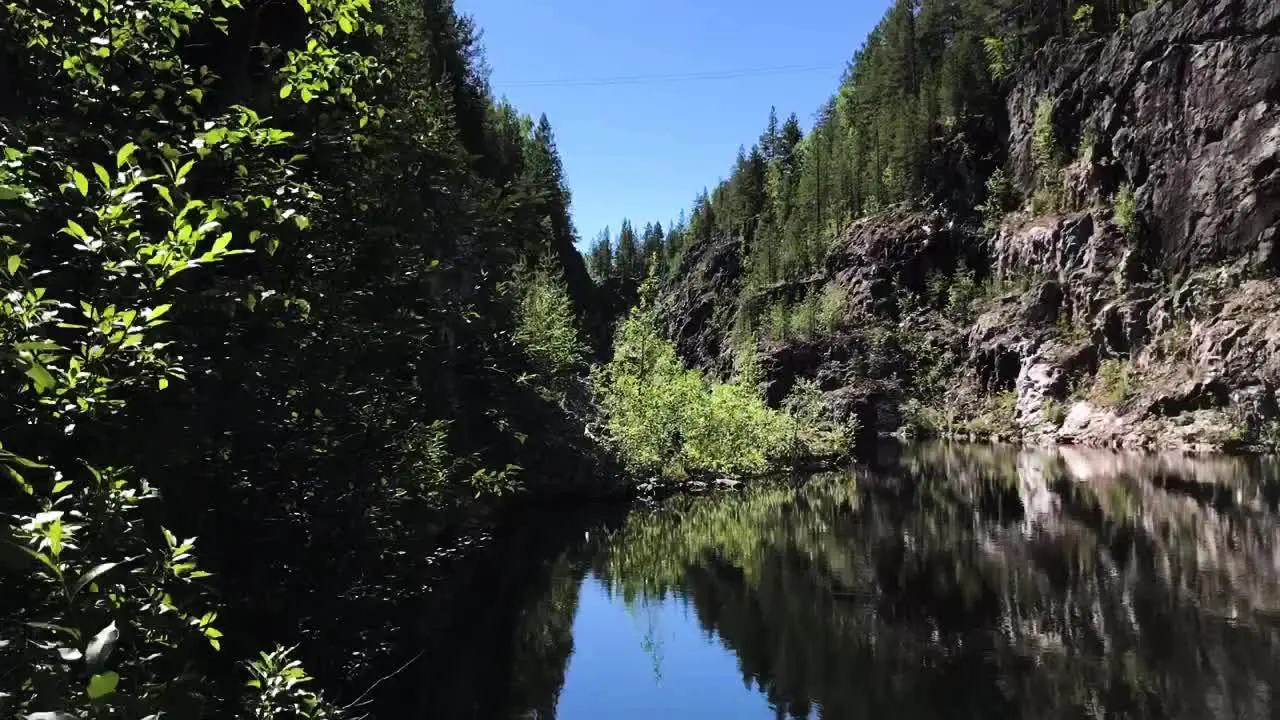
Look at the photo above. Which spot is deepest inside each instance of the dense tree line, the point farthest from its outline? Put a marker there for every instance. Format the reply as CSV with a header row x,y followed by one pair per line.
x,y
928,84
270,273
619,266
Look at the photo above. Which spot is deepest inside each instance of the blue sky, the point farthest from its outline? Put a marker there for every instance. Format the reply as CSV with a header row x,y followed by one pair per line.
x,y
643,148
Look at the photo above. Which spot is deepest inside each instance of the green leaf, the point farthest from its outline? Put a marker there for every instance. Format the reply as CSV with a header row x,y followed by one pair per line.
x,y
19,460
90,576
286,91
69,632
14,263
155,312
22,482
82,182
182,172
102,174
41,377
164,193
103,685
55,538
345,23
124,153
306,95
61,485
221,243
74,229
37,346
100,647
163,383
41,557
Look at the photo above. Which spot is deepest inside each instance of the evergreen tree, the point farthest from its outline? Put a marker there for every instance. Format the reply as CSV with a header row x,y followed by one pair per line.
x,y
772,136
629,264
600,257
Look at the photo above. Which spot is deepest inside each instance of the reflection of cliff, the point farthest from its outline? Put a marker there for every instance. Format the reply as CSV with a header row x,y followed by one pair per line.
x,y
962,582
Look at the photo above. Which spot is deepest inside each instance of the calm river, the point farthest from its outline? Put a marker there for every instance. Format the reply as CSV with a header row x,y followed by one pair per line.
x,y
938,581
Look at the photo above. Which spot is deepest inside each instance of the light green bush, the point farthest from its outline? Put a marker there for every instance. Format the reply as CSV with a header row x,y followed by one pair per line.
x,y
1046,200
1115,381
833,308
663,417
1044,139
1083,18
777,321
999,200
998,57
1126,211
546,324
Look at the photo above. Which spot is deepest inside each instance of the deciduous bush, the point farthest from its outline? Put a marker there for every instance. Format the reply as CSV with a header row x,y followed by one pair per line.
x,y
665,417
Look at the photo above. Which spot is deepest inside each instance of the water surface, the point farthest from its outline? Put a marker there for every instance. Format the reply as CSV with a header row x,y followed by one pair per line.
x,y
941,581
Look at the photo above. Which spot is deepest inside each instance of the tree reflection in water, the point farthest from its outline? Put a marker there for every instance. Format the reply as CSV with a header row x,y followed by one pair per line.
x,y
949,581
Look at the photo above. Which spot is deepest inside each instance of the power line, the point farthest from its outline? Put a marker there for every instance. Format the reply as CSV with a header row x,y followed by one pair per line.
x,y
672,77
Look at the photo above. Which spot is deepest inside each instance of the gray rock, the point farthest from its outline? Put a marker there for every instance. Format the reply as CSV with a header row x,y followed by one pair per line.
x,y
1039,383
1185,105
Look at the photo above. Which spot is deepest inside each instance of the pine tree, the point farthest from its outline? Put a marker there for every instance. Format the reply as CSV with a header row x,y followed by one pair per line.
x,y
629,264
772,136
600,259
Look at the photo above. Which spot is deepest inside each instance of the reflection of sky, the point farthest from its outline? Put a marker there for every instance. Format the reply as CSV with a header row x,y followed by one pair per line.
x,y
615,649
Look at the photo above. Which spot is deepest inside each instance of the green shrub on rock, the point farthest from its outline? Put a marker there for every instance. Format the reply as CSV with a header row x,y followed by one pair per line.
x,y
1126,211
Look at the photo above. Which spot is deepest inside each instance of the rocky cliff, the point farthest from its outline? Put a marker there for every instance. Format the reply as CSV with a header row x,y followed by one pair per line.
x,y
1130,296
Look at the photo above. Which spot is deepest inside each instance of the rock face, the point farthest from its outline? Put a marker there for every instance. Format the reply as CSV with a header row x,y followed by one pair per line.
x,y
1183,105
1087,327
699,309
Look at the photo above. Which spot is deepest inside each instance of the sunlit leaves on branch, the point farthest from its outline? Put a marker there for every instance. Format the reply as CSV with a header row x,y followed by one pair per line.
x,y
114,191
